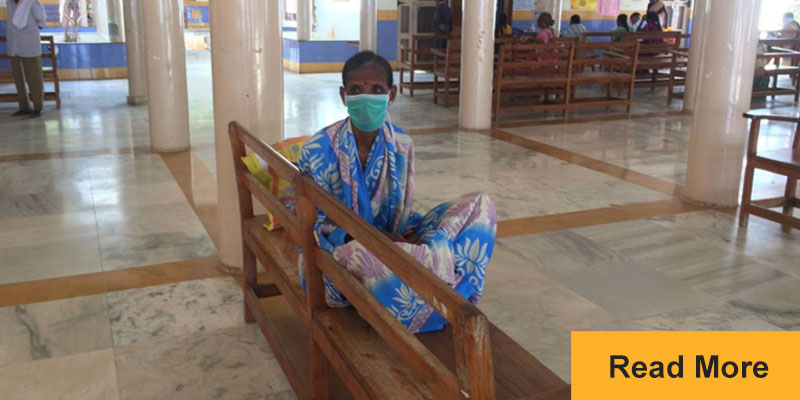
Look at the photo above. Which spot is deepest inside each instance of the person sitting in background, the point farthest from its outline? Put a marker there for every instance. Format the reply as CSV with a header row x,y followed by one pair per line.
x,y
790,28
622,29
545,32
502,27
636,21
576,29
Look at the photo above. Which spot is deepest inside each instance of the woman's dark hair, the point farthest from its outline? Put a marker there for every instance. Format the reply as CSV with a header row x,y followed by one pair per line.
x,y
788,15
545,19
637,15
622,20
652,16
575,19
364,58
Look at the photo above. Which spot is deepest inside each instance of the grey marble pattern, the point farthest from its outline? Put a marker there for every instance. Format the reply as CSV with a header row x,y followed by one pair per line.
x,y
84,376
520,182
66,257
157,312
231,363
622,286
152,234
53,329
528,305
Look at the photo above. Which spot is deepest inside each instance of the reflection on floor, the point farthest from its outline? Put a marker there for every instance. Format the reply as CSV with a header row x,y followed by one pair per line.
x,y
109,286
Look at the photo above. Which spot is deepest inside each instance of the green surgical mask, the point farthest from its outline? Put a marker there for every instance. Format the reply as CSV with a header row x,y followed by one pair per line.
x,y
367,111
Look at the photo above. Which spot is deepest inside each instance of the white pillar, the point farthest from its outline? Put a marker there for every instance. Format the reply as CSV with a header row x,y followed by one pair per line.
x,y
724,88
695,55
166,76
116,21
100,17
477,65
134,48
304,19
369,25
248,87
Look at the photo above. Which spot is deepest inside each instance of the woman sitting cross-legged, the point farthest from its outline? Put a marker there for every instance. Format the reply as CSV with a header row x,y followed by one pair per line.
x,y
368,164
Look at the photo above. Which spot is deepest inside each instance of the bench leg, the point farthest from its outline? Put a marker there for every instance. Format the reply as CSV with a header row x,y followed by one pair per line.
x,y
318,381
447,91
744,212
411,82
435,89
790,195
401,79
250,279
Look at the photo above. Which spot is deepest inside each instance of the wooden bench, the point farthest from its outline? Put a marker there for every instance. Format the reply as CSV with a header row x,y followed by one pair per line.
x,y
49,72
447,72
417,56
561,68
662,58
784,162
769,65
371,354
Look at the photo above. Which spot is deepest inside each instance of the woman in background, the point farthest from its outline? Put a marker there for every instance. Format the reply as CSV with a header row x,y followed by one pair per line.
x,y
622,29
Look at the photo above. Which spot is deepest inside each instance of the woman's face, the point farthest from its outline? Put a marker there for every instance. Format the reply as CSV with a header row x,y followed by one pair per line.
x,y
367,79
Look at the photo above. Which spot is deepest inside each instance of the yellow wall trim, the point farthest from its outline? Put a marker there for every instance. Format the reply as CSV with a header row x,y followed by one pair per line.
x,y
75,74
312,68
2,13
522,15
387,15
195,25
195,3
595,15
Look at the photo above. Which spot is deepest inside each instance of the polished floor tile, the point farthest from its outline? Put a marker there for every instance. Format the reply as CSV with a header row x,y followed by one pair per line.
x,y
85,376
151,234
72,256
158,312
53,329
231,363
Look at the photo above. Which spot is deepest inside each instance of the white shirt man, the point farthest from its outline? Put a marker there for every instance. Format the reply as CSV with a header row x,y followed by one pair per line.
x,y
25,49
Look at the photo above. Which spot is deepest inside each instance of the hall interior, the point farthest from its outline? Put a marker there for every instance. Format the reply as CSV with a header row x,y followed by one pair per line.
x,y
111,284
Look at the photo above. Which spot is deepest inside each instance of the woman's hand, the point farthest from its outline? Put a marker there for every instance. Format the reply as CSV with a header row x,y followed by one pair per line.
x,y
409,237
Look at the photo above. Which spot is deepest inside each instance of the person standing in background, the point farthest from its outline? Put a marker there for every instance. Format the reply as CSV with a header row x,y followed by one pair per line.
x,y
442,22
658,7
24,19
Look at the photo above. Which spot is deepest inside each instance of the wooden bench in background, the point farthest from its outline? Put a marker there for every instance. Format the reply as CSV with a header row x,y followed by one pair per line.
x,y
524,85
371,354
415,57
770,65
447,72
662,58
784,162
50,73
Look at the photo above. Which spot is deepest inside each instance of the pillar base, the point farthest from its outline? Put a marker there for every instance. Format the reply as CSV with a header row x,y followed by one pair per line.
x,y
231,269
706,204
137,100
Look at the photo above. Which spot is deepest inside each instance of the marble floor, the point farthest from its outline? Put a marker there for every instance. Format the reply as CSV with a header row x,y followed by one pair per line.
x,y
110,288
